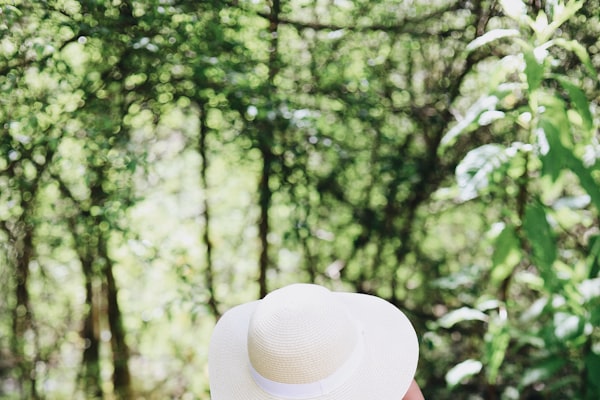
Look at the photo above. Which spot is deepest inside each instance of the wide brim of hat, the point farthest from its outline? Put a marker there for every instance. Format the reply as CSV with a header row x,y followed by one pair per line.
x,y
390,357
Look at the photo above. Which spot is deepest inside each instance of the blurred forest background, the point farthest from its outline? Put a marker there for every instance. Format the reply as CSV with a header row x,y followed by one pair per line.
x,y
164,160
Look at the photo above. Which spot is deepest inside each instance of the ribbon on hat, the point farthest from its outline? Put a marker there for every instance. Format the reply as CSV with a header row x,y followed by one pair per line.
x,y
297,391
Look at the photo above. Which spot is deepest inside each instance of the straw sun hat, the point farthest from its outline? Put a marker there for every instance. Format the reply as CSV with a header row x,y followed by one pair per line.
x,y
306,342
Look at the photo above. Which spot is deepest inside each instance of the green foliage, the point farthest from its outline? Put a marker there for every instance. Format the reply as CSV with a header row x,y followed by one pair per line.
x,y
507,254
558,128
161,161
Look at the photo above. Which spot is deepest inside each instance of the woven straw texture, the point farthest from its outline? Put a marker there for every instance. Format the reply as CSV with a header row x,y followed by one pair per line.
x,y
303,333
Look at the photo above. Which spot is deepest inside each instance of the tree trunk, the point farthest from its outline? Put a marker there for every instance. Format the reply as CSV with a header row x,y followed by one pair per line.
x,y
90,368
263,223
22,321
120,351
209,272
266,139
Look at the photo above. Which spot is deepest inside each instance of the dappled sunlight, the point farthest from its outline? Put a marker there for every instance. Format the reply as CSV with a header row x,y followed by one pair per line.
x,y
162,161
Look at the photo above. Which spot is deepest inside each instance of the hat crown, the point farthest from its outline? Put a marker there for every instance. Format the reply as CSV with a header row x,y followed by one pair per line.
x,y
300,334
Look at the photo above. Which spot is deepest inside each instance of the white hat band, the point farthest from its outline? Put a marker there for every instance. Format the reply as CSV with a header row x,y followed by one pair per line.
x,y
313,389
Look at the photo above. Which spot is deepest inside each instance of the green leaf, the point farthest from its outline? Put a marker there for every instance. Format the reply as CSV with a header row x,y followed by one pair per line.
x,y
484,103
497,339
565,157
592,365
535,310
594,256
515,9
581,52
534,71
567,326
579,100
461,314
561,14
507,254
540,235
472,173
551,152
586,179
462,371
542,371
594,307
589,289
555,111
490,36
8,10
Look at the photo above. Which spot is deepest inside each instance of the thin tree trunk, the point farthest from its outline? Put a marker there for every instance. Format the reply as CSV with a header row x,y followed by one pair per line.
x,y
91,354
209,272
120,351
89,376
22,314
266,139
263,223
20,234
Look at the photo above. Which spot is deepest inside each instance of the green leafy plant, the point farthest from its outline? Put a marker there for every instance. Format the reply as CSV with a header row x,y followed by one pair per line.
x,y
546,173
